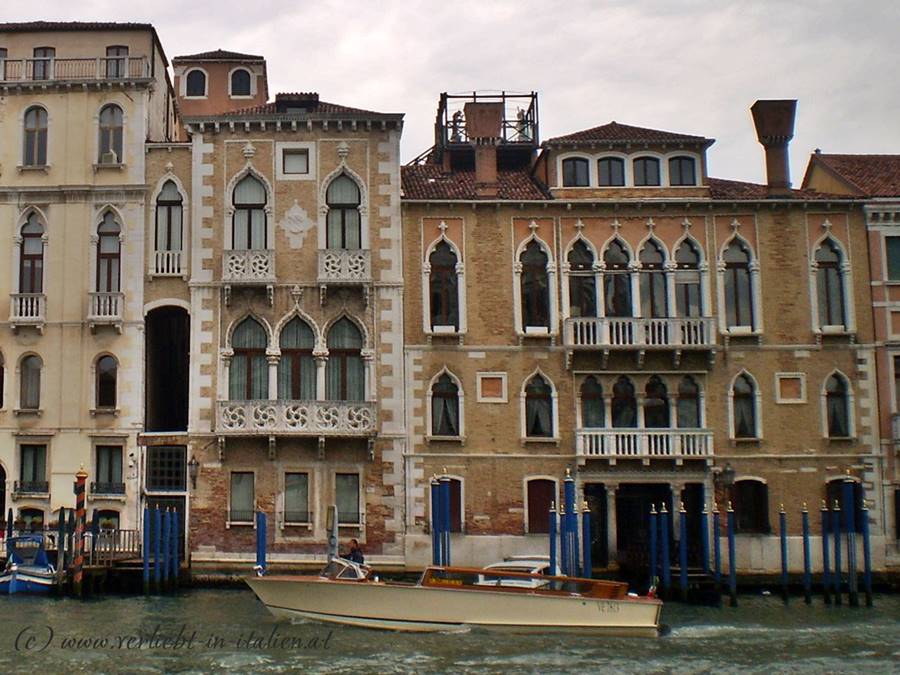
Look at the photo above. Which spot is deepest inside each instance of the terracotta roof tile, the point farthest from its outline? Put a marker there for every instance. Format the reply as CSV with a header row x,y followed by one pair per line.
x,y
720,188
29,26
219,55
624,133
871,175
428,181
321,107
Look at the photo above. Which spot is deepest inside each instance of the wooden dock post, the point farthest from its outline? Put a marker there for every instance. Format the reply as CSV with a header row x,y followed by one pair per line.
x,y
61,550
587,564
836,533
145,550
552,533
826,555
867,555
704,538
436,539
717,553
732,565
664,548
176,540
807,567
850,529
682,553
569,527
653,554
78,571
445,517
157,550
782,526
166,546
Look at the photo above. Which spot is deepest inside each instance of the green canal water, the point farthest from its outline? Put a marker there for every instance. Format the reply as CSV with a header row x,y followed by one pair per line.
x,y
202,631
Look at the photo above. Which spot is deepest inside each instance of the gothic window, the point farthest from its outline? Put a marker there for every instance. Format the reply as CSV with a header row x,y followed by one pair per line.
x,y
593,412
443,286
168,218
624,404
582,281
538,408
535,286
687,280
343,222
611,171
617,280
111,129
541,493
297,368
107,372
688,404
654,301
576,172
837,407
31,259
240,83
744,407
750,500
656,404
738,285
30,391
830,284
646,171
248,374
445,407
35,151
345,376
249,228
681,171
196,83
109,254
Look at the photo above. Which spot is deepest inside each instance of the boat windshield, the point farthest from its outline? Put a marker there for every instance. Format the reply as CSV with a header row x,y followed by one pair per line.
x,y
339,568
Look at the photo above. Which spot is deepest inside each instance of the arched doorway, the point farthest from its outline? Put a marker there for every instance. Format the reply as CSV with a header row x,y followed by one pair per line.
x,y
167,348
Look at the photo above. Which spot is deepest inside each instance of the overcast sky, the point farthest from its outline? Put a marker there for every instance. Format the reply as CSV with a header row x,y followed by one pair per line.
x,y
693,66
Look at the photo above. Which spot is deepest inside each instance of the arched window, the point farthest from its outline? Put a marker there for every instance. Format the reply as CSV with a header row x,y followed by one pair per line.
x,y
445,407
30,392
31,259
576,172
443,286
541,493
111,121
248,225
248,374
611,171
297,368
593,409
582,281
830,284
656,404
345,375
35,151
343,226
240,83
108,255
837,407
750,500
738,284
744,406
538,408
107,371
196,83
688,404
646,171
535,286
617,280
624,404
654,300
168,218
681,171
687,280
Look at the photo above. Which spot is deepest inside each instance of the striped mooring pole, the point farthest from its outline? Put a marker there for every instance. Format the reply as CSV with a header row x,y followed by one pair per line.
x,y
78,572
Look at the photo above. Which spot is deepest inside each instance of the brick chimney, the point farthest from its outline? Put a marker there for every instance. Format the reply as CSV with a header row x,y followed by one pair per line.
x,y
774,122
483,124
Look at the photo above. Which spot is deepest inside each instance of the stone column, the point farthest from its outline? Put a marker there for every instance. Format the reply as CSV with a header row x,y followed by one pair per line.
x,y
611,526
273,360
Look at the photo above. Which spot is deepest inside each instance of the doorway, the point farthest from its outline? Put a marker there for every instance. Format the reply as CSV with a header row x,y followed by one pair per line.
x,y
595,496
633,502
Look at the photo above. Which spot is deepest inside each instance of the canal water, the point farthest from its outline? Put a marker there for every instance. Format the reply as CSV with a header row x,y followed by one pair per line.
x,y
202,631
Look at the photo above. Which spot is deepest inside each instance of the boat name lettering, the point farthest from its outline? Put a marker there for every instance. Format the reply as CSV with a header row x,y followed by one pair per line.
x,y
607,607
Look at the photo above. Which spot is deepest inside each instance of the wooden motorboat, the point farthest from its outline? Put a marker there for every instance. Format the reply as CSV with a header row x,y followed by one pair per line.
x,y
450,598
27,568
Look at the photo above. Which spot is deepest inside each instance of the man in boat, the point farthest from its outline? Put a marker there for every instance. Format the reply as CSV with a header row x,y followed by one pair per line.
x,y
355,554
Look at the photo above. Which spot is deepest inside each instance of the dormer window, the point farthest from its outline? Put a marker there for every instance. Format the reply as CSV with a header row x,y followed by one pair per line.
x,y
611,171
646,172
240,83
576,172
681,171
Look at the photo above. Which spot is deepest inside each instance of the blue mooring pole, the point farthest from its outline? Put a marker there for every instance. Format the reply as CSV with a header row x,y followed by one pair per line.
x,y
61,540
261,542
807,567
867,555
588,568
664,547
836,533
571,519
435,523
176,542
166,546
563,541
826,555
145,549
782,527
850,529
717,552
732,563
157,549
9,523
653,556
552,532
704,539
682,553
445,512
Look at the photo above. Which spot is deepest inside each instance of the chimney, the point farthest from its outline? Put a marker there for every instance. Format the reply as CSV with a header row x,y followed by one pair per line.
x,y
483,124
774,122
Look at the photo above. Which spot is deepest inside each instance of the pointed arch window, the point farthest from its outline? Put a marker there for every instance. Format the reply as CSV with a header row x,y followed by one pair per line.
x,y
654,297
744,407
656,404
538,408
582,281
593,409
576,172
111,130
31,259
109,253
688,301
443,286
35,150
617,280
688,404
107,374
343,221
249,229
297,368
248,374
169,218
624,404
345,377
535,286
837,406
445,407
30,391
830,284
738,284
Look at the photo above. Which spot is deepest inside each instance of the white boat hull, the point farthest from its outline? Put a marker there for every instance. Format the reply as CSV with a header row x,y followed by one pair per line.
x,y
428,609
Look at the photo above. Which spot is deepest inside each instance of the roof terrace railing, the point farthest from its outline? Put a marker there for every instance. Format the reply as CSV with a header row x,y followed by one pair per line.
x,y
99,69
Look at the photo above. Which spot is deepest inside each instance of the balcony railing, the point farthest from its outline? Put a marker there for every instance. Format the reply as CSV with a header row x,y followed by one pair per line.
x,y
644,444
345,266
253,266
106,307
168,264
302,418
107,488
639,333
100,69
27,309
30,487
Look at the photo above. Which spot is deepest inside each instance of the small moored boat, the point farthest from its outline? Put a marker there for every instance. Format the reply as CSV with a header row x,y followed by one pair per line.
x,y
27,568
449,598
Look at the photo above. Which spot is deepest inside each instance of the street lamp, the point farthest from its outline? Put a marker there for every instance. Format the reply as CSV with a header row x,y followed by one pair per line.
x,y
193,470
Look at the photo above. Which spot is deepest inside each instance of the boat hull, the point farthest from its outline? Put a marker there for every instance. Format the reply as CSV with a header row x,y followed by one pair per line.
x,y
26,581
429,609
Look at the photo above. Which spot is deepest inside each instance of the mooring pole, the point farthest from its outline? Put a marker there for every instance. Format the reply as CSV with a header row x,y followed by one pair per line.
x,y
166,532
445,528
61,543
176,540
435,523
145,550
717,552
826,555
652,542
80,479
70,533
157,549
732,563
260,543
664,546
552,533
782,525
836,533
867,555
587,563
563,541
682,553
704,539
850,529
571,519
9,523
807,567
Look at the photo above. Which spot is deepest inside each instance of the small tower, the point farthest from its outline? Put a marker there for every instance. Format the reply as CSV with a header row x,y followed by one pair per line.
x,y
218,82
